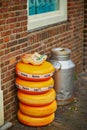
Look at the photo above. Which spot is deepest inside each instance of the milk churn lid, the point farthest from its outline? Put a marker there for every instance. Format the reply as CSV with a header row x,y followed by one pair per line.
x,y
61,51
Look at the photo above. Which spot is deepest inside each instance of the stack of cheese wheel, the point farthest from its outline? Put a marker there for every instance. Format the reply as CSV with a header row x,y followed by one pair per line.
x,y
37,104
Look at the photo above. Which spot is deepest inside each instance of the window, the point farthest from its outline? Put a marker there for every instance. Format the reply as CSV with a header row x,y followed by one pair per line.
x,y
42,6
45,12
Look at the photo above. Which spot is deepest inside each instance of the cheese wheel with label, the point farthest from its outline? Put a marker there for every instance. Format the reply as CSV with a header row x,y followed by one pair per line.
x,y
35,72
34,87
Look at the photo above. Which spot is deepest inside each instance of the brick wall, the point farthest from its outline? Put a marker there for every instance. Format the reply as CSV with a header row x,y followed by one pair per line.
x,y
85,35
15,40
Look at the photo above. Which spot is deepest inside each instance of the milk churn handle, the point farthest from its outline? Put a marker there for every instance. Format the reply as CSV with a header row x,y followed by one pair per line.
x,y
59,68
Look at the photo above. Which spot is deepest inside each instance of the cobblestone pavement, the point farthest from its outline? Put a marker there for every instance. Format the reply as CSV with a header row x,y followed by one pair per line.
x,y
69,117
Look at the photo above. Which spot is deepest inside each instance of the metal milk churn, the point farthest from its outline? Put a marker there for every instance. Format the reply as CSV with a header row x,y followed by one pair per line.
x,y
64,75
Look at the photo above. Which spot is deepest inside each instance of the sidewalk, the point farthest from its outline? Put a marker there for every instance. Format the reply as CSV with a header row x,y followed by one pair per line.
x,y
69,117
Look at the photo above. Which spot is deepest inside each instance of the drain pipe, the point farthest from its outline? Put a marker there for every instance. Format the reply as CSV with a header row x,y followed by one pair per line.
x,y
1,104
3,125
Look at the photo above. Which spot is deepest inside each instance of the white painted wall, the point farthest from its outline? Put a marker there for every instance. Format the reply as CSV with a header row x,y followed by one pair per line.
x,y
1,104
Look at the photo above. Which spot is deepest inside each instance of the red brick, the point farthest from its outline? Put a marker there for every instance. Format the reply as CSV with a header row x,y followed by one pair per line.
x,y
17,30
12,60
6,39
24,23
17,24
6,57
5,33
4,69
6,27
12,25
0,16
1,41
5,3
13,43
2,46
11,20
2,52
24,34
7,51
6,15
2,22
22,18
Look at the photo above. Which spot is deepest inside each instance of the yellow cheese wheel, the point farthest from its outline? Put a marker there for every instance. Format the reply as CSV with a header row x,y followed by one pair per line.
x,y
38,111
35,72
34,87
37,100
34,121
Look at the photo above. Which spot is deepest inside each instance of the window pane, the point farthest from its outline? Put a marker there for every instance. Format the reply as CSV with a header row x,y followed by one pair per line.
x,y
42,6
